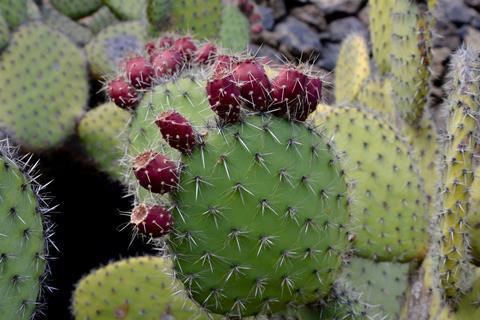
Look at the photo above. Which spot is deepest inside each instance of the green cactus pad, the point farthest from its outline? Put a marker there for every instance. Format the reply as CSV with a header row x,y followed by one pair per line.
x,y
76,9
474,217
388,203
33,11
186,95
235,29
112,45
376,94
4,33
242,244
410,59
381,284
14,12
43,87
102,134
22,241
158,13
127,9
75,31
135,288
381,33
201,17
353,68
99,20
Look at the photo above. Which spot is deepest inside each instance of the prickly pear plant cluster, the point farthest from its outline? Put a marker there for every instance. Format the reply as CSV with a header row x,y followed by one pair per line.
x,y
24,236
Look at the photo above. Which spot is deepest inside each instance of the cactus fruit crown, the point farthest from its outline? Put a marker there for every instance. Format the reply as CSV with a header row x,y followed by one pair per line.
x,y
240,243
24,235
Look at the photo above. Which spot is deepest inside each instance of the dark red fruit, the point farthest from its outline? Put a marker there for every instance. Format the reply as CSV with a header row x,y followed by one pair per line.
x,y
139,72
167,63
224,97
256,28
122,94
153,221
256,17
150,47
253,83
288,92
313,88
206,53
223,65
176,130
186,47
246,7
155,172
165,42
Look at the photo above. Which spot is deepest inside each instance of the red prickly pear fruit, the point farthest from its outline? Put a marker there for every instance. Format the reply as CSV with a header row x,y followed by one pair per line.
x,y
256,28
246,7
186,47
167,63
253,83
288,92
223,65
139,72
154,221
176,130
313,88
155,172
224,97
256,17
165,42
122,94
205,54
150,47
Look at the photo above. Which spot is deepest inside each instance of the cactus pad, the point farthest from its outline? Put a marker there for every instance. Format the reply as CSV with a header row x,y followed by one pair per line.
x,y
235,29
376,94
353,68
474,216
99,20
43,87
76,9
22,238
4,32
388,203
381,284
261,248
135,288
158,13
127,9
75,31
14,12
381,33
100,132
112,45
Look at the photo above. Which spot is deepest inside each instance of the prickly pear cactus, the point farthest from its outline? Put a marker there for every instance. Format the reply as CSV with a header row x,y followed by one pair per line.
x,y
110,47
381,284
142,287
14,12
375,93
474,216
43,87
75,31
4,32
388,202
23,250
99,20
381,33
76,9
102,133
235,29
127,9
353,68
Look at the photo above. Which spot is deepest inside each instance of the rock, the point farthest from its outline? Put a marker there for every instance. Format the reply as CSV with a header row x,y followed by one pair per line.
x,y
473,3
440,59
311,15
343,7
268,21
265,51
446,35
457,12
296,39
472,37
339,29
278,7
329,56
364,15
